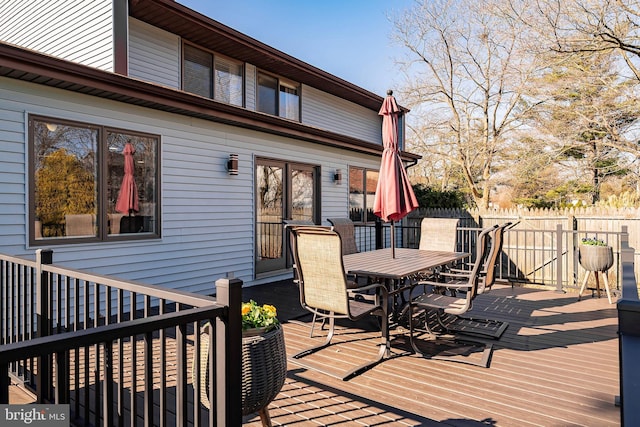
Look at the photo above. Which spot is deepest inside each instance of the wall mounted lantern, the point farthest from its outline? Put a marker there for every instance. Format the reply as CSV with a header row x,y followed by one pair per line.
x,y
337,177
232,164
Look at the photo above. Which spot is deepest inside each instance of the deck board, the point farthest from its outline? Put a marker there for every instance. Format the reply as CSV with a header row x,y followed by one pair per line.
x,y
556,365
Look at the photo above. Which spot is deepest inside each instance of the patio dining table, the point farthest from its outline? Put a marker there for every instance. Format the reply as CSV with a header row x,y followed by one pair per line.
x,y
397,272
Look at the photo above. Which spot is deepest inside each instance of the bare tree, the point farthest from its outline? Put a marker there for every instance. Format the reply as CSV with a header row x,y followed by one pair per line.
x,y
573,26
466,78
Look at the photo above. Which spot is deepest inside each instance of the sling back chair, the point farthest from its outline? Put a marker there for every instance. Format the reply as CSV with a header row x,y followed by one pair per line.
x,y
346,229
438,234
289,225
454,296
323,291
475,326
354,284
487,275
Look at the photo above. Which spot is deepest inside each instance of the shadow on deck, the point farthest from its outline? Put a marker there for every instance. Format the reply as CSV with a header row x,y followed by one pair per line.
x,y
556,365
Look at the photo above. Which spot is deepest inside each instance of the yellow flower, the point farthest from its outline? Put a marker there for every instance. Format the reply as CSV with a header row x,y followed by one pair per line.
x,y
255,316
269,308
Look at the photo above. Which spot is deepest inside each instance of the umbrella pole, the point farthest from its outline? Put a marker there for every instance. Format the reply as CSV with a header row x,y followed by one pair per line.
x,y
393,239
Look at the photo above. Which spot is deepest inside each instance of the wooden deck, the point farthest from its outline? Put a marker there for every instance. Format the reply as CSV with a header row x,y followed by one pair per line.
x,y
556,365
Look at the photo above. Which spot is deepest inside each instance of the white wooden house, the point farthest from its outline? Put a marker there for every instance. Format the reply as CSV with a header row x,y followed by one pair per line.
x,y
79,80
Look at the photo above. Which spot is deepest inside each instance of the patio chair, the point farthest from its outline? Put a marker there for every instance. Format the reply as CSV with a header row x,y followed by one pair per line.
x,y
289,225
475,326
487,275
453,296
438,234
347,231
323,291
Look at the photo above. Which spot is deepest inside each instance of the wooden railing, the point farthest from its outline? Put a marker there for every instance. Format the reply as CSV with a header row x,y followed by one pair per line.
x,y
118,352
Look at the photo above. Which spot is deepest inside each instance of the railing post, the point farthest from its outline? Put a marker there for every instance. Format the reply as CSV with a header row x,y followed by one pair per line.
x,y
629,337
5,382
559,258
43,323
379,234
623,239
229,366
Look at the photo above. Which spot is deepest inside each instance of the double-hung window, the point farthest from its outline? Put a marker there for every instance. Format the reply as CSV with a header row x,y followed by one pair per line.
x,y
212,76
91,183
278,97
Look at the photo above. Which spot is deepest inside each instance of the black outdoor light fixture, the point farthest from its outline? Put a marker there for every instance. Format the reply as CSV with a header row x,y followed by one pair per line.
x,y
232,164
337,176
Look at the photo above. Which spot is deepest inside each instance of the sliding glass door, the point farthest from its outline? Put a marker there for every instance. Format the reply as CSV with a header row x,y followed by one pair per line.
x,y
283,191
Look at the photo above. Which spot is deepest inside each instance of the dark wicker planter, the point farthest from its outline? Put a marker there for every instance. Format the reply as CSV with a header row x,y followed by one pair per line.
x,y
264,369
595,258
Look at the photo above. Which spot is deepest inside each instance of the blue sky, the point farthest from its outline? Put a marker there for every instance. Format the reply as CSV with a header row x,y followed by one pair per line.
x,y
347,38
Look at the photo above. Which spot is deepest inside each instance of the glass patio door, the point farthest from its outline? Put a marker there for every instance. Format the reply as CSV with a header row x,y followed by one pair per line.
x,y
283,191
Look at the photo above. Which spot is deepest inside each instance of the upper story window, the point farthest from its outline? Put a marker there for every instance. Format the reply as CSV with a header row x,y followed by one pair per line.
x,y
212,76
91,183
278,97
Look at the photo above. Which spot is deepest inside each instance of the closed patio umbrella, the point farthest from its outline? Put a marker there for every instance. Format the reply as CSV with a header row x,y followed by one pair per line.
x,y
127,202
394,197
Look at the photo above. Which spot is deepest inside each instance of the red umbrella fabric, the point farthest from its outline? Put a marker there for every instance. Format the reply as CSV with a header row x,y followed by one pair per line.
x,y
127,202
394,197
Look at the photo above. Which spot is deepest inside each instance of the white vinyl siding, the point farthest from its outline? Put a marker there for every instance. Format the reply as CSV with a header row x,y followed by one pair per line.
x,y
207,216
250,75
325,111
154,54
76,30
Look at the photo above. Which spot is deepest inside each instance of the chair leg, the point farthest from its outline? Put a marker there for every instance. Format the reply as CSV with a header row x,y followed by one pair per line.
x,y
486,352
326,342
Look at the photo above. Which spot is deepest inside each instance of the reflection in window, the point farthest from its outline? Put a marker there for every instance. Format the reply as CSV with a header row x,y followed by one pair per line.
x,y
302,195
270,206
212,76
362,190
228,81
67,199
267,94
289,102
278,97
128,212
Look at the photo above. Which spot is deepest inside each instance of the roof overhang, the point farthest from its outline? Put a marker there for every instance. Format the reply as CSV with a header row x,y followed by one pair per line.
x,y
208,33
34,67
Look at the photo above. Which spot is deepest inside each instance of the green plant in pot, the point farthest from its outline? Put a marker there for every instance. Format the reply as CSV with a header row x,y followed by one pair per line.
x,y
595,254
258,318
